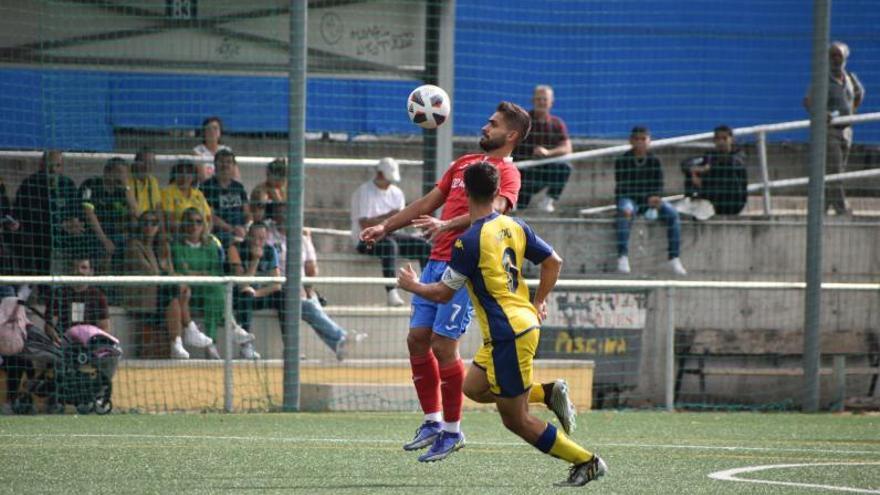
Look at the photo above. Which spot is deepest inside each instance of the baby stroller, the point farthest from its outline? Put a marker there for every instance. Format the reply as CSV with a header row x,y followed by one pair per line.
x,y
79,371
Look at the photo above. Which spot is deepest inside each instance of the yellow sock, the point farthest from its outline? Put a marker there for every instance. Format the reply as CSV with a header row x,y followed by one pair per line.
x,y
536,394
555,443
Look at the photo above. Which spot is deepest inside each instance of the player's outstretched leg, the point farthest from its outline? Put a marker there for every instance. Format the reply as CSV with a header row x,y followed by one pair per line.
x,y
555,396
585,472
546,438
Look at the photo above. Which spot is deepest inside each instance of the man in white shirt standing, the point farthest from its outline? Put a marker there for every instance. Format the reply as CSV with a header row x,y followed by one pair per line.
x,y
374,201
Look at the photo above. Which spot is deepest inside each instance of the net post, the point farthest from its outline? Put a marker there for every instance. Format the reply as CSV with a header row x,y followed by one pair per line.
x,y
227,353
816,203
296,158
669,372
440,71
765,174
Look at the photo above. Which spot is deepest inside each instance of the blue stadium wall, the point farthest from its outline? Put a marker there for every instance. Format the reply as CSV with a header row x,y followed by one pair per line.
x,y
613,64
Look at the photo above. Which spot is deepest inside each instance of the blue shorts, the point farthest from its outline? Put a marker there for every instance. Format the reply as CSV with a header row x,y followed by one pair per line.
x,y
450,319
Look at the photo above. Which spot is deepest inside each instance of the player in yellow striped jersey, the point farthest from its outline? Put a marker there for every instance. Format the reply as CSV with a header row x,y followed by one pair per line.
x,y
488,257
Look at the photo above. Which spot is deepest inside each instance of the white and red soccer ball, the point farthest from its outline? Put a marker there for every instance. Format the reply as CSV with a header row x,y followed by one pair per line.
x,y
428,106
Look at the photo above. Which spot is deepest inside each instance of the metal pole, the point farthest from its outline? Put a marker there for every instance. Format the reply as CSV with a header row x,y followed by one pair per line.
x,y
765,174
440,71
670,349
816,203
296,157
227,352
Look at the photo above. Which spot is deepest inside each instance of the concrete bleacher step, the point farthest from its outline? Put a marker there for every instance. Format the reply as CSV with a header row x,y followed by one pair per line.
x,y
386,330
797,205
354,265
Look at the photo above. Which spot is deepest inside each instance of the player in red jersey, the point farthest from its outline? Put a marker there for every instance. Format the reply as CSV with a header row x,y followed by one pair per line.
x,y
434,329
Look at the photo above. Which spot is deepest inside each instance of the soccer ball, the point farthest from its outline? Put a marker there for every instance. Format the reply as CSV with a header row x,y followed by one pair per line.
x,y
428,106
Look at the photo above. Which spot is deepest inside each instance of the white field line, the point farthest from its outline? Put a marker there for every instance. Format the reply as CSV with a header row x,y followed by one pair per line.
x,y
731,475
729,448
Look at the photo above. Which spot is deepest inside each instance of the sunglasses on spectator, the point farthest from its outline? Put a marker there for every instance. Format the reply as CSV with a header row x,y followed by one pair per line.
x,y
259,204
150,221
195,221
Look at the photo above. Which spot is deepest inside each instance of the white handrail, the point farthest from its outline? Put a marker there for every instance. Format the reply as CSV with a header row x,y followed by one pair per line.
x,y
761,131
759,186
370,162
659,143
335,232
241,160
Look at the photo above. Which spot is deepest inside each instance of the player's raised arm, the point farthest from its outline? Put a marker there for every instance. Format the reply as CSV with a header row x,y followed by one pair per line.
x,y
422,206
439,292
433,225
550,268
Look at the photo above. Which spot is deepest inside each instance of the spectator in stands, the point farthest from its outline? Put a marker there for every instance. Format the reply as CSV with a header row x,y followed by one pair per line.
x,y
228,200
181,195
548,138
14,366
719,176
108,202
212,132
845,94
148,196
144,185
255,257
275,184
638,190
374,201
197,252
150,306
47,208
74,304
271,234
259,206
8,229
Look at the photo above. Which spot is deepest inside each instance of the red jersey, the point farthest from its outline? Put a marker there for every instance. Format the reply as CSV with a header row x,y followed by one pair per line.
x,y
452,186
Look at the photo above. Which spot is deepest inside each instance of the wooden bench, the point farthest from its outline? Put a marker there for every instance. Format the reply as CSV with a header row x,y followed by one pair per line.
x,y
784,364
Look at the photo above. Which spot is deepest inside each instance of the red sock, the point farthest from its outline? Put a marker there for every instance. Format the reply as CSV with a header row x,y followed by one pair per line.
x,y
451,382
426,378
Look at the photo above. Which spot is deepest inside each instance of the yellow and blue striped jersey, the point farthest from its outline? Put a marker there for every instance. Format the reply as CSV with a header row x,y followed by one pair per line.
x,y
489,257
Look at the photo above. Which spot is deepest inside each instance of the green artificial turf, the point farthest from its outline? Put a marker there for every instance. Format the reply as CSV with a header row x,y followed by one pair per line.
x,y
647,452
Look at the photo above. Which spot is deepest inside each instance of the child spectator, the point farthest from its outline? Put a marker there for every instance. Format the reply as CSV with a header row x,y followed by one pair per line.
x,y
74,304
